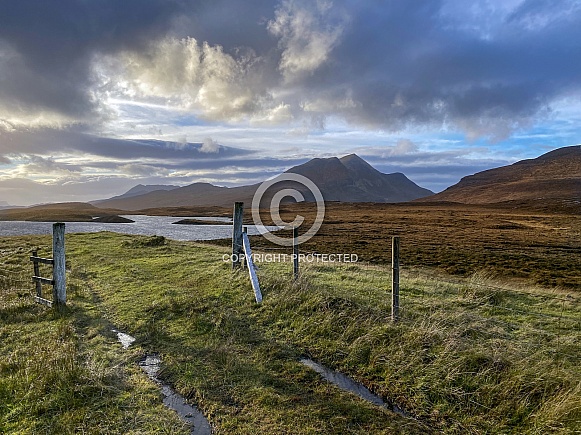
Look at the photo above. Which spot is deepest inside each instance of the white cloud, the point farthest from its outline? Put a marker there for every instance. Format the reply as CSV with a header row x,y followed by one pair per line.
x,y
403,147
307,31
277,115
210,146
193,76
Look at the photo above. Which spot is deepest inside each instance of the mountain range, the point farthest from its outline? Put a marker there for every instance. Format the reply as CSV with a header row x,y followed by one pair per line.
x,y
346,179
551,182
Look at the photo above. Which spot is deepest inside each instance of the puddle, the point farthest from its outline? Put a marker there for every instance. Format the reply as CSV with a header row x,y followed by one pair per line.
x,y
150,364
188,413
348,384
125,339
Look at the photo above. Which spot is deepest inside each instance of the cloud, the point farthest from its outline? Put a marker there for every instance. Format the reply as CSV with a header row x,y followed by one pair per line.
x,y
79,144
488,70
139,170
403,147
209,146
307,31
196,76
37,165
47,51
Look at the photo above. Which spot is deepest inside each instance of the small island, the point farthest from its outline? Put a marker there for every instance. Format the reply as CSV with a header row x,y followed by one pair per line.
x,y
113,219
200,222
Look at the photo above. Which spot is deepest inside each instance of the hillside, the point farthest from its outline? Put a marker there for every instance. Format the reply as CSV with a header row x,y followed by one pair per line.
x,y
63,212
141,189
553,178
349,179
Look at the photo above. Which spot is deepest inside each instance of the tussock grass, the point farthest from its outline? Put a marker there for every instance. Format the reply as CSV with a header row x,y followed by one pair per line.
x,y
468,356
64,373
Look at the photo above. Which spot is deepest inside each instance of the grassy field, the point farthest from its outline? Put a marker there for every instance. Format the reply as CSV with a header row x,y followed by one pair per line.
x,y
475,355
543,247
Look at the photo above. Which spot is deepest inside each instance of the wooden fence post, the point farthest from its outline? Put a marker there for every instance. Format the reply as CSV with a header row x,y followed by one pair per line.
x,y
37,273
251,268
243,262
395,279
59,270
237,234
295,253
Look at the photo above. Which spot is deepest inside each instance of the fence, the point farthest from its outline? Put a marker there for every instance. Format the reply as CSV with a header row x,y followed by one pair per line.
x,y
58,280
241,245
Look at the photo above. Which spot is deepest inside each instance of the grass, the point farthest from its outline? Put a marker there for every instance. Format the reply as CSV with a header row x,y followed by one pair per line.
x,y
468,356
64,373
540,247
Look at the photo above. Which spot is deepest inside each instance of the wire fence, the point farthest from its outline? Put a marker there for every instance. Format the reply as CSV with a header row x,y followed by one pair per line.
x,y
512,307
558,313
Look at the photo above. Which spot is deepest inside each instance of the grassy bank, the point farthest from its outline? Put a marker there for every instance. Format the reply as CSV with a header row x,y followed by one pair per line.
x,y
467,356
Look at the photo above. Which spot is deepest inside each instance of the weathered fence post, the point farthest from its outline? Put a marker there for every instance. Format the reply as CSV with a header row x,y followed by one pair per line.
x,y
37,273
251,268
243,262
295,253
395,279
59,270
237,234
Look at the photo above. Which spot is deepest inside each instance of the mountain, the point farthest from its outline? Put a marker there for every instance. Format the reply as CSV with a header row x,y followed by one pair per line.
x,y
196,194
352,179
348,179
140,189
554,177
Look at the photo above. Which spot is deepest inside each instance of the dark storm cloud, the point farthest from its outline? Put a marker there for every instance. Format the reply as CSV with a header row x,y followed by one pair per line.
x,y
46,47
406,63
47,141
230,24
387,64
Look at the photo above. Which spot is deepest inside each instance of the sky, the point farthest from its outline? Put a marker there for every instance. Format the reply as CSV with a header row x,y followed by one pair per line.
x,y
97,96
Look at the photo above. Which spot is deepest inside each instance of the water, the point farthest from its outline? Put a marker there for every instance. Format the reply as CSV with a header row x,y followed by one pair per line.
x,y
125,339
150,364
348,384
188,413
143,225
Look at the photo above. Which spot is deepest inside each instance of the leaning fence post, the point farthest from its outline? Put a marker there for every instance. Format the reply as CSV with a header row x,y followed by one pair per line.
x,y
59,271
395,279
237,234
251,268
295,253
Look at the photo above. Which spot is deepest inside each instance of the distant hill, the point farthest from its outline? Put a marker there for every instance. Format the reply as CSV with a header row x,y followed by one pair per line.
x,y
349,179
140,189
63,212
553,178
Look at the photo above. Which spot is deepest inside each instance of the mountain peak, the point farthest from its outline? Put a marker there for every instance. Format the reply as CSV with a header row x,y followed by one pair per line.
x,y
352,179
350,157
